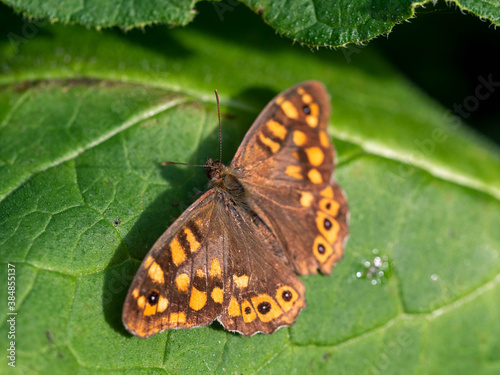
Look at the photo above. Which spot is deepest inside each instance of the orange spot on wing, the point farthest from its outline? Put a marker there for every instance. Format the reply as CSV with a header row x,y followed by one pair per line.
x,y
274,146
215,270
156,273
286,297
198,299
289,109
178,255
234,308
200,273
299,138
149,310
193,244
312,118
248,312
327,192
329,206
141,302
217,295
321,249
294,171
241,281
328,226
179,317
324,139
306,199
315,155
182,282
314,176
162,304
306,98
277,129
272,310
312,121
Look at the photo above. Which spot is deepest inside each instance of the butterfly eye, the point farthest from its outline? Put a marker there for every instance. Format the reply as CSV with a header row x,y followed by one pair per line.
x,y
321,249
287,296
264,307
306,109
328,224
153,298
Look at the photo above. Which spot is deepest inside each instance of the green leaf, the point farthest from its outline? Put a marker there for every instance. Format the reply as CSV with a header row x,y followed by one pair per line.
x,y
87,118
315,23
97,13
337,23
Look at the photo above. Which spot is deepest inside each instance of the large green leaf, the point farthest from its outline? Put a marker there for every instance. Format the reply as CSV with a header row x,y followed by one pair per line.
x,y
86,118
315,23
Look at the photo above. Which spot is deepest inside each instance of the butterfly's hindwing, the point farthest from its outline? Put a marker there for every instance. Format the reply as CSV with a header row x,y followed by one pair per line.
x,y
315,240
264,294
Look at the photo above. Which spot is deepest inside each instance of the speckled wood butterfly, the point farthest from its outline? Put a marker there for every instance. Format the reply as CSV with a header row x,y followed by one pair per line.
x,y
275,212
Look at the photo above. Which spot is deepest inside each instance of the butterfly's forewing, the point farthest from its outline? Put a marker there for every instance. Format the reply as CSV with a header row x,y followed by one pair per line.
x,y
180,283
286,163
287,144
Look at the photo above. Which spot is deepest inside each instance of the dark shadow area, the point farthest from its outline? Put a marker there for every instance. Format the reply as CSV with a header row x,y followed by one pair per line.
x,y
236,23
217,326
157,38
256,97
445,52
17,30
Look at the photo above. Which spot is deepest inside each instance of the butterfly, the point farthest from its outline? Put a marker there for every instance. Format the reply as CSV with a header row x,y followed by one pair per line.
x,y
273,213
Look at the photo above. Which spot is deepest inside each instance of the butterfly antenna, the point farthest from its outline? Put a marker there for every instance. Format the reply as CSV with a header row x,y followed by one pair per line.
x,y
190,165
220,142
220,127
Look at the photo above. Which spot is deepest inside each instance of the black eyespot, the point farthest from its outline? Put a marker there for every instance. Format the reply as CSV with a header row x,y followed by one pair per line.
x,y
306,109
328,205
321,249
286,295
153,298
248,310
328,224
264,307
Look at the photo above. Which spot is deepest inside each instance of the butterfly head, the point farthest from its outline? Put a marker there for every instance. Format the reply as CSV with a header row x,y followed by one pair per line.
x,y
214,170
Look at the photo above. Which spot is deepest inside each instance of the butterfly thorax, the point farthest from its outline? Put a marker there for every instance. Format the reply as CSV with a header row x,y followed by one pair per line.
x,y
225,179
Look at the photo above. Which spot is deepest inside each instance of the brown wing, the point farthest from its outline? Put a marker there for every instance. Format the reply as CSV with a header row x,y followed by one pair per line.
x,y
216,260
288,145
286,164
263,293
310,225
174,287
